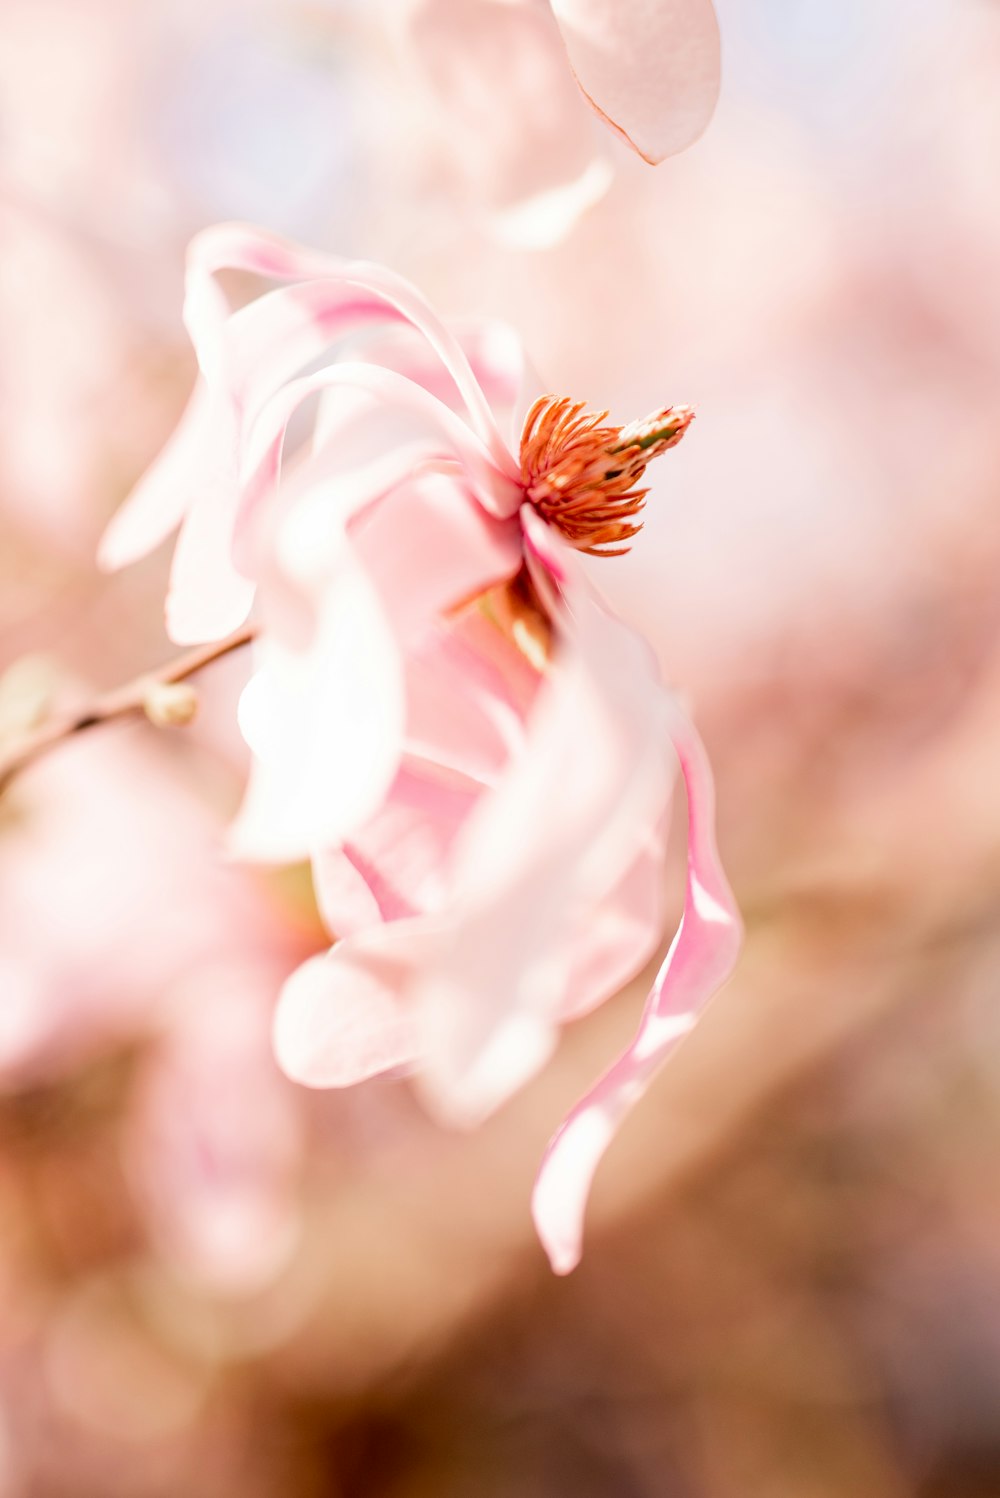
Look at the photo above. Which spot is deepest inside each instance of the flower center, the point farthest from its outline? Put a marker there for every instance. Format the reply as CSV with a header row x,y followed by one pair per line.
x,y
582,477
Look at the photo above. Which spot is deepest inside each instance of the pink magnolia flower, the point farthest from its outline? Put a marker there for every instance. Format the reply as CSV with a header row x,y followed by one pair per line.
x,y
444,716
513,78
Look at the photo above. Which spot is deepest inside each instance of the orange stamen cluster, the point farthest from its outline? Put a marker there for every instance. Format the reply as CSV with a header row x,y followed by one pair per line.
x,y
582,477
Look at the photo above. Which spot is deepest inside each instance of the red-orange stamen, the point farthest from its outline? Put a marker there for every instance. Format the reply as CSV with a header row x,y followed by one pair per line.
x,y
582,476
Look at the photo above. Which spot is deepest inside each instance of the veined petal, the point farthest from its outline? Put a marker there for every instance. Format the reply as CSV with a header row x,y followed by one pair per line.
x,y
650,68
514,121
242,247
701,958
340,1018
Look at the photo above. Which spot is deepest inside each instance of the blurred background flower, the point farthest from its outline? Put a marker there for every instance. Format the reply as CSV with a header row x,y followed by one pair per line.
x,y
211,1281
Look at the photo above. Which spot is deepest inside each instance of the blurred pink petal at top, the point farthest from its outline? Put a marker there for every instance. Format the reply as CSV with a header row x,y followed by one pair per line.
x,y
505,74
649,67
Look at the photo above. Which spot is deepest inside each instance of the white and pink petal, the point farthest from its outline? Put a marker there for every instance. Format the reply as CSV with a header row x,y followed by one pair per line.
x,y
650,68
396,866
338,287
344,1017
325,723
701,958
554,839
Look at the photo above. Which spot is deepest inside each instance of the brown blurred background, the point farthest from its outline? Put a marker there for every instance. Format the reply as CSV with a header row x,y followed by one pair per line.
x,y
212,1282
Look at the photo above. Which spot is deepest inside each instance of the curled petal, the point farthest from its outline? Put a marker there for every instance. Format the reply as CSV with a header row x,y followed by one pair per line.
x,y
246,357
702,956
397,396
242,247
650,68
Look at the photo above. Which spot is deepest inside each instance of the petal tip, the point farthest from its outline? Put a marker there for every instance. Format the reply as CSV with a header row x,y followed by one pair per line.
x,y
107,556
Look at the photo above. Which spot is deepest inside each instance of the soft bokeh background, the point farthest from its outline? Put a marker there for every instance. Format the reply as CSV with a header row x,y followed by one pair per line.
x,y
213,1283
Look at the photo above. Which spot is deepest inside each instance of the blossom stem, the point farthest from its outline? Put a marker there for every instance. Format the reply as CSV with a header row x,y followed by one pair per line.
x,y
133,698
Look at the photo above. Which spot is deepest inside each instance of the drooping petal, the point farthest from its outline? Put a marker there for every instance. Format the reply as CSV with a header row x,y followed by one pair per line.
x,y
622,933
553,839
350,655
701,958
242,247
511,114
341,1018
650,68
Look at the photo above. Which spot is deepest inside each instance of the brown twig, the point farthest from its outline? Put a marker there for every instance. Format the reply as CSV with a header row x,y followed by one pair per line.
x,y
125,701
